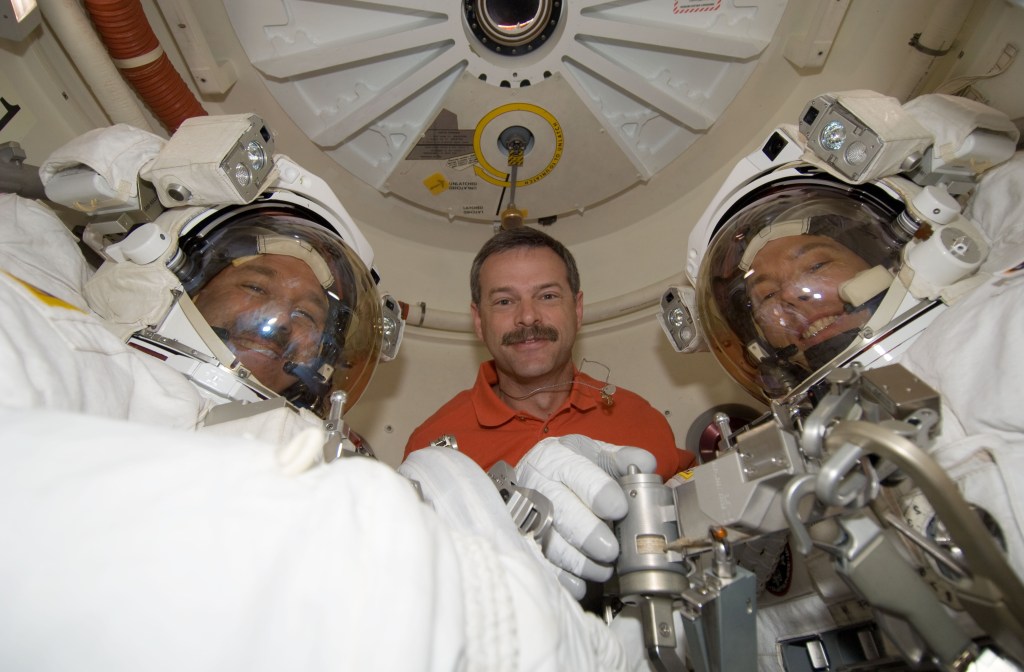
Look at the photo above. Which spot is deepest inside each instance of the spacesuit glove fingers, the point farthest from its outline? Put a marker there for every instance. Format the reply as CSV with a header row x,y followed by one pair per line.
x,y
581,444
576,586
630,455
569,559
613,459
574,520
550,461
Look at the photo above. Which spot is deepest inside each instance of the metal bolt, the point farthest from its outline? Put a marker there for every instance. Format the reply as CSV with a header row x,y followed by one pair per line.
x,y
11,152
179,192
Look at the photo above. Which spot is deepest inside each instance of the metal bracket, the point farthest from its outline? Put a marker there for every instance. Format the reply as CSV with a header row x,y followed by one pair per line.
x,y
531,511
915,42
210,75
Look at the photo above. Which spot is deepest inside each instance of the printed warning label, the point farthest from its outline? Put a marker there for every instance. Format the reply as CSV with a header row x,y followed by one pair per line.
x,y
437,184
460,162
690,6
444,140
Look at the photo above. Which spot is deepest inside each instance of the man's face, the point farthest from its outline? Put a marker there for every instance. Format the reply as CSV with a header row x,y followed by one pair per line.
x,y
528,316
794,290
273,310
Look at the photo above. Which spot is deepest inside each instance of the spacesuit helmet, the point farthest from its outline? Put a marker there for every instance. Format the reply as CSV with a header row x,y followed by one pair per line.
x,y
791,278
291,300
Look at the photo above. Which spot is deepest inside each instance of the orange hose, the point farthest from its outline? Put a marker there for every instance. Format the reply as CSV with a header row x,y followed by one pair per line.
x,y
124,29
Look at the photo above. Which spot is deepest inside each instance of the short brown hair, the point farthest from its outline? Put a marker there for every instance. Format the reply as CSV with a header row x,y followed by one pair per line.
x,y
513,239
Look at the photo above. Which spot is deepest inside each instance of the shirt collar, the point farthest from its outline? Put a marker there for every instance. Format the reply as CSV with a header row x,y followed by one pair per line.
x,y
491,411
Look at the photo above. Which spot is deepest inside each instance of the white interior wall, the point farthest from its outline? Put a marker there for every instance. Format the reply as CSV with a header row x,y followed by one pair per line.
x,y
641,234
867,54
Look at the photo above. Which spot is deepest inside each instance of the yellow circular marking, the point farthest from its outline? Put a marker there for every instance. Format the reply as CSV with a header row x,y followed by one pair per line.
x,y
488,173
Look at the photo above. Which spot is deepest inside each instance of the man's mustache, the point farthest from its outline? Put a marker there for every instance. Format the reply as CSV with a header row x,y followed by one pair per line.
x,y
536,332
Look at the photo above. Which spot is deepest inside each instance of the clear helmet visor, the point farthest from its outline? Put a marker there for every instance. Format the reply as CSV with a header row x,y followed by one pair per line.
x,y
792,276
294,304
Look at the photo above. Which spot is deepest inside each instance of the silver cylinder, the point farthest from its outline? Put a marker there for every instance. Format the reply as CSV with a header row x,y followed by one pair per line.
x,y
649,526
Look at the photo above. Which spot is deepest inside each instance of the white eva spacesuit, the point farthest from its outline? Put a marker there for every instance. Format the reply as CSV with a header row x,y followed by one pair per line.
x,y
134,541
840,245
229,264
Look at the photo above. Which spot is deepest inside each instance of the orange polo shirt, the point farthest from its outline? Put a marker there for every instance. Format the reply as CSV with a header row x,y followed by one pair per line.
x,y
488,431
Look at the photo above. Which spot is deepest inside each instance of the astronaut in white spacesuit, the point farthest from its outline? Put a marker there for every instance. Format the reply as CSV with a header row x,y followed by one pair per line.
x,y
818,255
164,508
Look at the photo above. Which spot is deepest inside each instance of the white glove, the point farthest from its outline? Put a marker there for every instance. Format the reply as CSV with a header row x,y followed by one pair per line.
x,y
578,475
517,615
461,493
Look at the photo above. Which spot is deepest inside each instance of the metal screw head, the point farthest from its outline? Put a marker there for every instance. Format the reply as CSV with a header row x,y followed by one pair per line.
x,y
11,152
179,193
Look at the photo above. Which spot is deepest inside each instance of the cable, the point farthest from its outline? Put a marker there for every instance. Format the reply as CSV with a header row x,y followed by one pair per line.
x,y
570,383
607,390
959,85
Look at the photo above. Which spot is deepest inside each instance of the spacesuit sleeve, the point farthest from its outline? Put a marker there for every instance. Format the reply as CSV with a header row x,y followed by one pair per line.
x,y
133,548
38,248
971,354
557,633
998,208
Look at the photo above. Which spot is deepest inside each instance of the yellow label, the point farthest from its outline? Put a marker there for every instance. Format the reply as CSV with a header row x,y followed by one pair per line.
x,y
436,183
